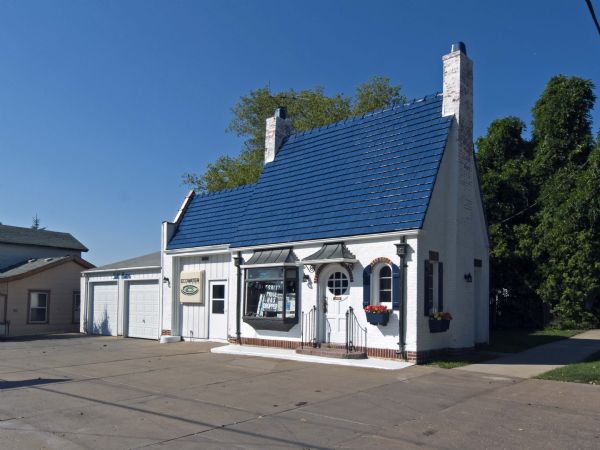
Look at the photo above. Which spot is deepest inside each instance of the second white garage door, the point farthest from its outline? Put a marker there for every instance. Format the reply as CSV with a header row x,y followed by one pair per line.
x,y
143,309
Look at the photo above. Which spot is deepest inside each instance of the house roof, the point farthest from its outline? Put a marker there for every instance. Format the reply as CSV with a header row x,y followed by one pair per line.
x,y
369,174
33,266
211,219
43,238
331,252
151,260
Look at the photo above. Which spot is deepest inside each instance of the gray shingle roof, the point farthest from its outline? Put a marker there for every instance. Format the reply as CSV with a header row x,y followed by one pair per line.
x,y
149,260
42,238
36,265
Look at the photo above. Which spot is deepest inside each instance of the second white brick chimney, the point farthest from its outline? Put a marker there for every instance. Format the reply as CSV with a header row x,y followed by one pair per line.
x,y
278,128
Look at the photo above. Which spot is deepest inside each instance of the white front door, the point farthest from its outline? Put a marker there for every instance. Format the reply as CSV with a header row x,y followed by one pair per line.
x,y
217,304
334,288
105,306
143,309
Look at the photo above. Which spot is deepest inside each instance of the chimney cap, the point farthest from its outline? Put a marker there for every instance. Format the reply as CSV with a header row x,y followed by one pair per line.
x,y
459,47
281,112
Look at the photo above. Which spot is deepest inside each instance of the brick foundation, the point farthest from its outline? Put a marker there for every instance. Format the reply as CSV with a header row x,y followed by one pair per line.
x,y
418,357
165,333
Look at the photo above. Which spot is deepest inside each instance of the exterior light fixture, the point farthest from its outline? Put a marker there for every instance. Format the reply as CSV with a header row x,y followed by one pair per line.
x,y
237,261
468,277
401,248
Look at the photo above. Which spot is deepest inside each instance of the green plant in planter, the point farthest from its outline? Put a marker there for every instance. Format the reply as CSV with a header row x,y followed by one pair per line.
x,y
439,322
377,314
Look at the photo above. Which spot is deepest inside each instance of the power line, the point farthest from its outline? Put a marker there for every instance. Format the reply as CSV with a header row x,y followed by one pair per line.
x,y
527,208
594,18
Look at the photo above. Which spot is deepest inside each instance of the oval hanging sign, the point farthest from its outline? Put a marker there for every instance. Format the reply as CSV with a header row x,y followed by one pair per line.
x,y
189,289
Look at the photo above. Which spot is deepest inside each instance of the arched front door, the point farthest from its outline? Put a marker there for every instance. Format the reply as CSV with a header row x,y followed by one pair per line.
x,y
334,292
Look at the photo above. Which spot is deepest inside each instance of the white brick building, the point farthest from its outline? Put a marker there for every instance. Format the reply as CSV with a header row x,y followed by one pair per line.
x,y
380,209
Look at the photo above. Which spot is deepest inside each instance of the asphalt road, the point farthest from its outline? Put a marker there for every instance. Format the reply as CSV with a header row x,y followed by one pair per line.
x,y
112,393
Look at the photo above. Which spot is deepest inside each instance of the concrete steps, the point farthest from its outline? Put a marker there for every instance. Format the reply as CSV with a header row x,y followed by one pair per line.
x,y
330,352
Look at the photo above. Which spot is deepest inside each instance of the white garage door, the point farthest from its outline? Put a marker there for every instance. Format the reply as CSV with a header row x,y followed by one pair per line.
x,y
104,309
143,310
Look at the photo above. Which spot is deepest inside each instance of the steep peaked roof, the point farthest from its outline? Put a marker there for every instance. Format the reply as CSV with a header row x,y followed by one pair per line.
x,y
369,174
42,238
211,219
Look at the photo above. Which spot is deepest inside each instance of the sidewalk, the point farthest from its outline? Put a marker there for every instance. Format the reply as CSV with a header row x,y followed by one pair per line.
x,y
538,360
279,353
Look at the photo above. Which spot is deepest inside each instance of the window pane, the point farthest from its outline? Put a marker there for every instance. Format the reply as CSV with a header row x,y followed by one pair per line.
x,y
265,273
385,283
337,283
264,298
218,306
385,271
39,300
218,291
385,296
37,315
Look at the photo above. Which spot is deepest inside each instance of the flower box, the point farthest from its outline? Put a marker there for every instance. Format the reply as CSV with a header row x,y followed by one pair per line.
x,y
381,318
438,325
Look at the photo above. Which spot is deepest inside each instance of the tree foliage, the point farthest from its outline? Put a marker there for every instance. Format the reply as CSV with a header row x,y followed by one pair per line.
x,y
542,201
307,109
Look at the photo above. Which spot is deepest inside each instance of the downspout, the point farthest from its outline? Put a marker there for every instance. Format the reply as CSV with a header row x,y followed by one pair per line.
x,y
238,300
401,314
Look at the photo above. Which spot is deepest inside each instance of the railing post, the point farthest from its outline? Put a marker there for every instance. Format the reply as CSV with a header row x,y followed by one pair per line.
x,y
302,330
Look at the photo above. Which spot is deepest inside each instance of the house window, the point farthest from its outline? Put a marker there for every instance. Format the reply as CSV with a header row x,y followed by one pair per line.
x,y
38,306
337,283
271,292
76,306
218,298
434,287
382,284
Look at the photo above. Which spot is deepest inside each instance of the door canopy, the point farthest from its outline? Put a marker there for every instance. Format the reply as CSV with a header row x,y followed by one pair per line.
x,y
331,253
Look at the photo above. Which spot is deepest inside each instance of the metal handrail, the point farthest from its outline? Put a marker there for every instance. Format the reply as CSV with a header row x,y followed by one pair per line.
x,y
309,327
356,335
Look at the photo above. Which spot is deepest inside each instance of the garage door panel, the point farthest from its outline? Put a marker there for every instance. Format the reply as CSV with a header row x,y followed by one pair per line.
x,y
143,310
104,309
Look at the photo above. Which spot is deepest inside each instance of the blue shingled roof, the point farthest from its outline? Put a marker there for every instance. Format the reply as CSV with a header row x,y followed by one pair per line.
x,y
211,219
369,174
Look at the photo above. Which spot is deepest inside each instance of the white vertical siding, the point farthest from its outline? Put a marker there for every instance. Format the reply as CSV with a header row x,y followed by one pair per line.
x,y
194,318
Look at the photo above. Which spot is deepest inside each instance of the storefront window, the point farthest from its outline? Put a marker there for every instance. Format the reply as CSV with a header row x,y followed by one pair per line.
x,y
271,292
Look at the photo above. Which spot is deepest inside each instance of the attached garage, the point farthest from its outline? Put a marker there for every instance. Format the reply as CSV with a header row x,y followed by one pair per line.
x,y
143,310
105,309
123,299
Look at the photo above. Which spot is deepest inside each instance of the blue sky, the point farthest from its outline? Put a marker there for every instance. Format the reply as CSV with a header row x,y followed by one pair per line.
x,y
104,104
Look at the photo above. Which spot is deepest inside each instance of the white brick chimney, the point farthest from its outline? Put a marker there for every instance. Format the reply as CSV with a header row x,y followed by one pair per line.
x,y
458,91
278,128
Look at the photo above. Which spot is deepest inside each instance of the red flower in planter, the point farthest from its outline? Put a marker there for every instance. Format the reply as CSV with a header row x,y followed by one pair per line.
x,y
376,309
441,316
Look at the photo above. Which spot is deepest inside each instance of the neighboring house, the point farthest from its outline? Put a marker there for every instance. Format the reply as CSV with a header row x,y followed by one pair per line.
x,y
380,209
39,281
123,298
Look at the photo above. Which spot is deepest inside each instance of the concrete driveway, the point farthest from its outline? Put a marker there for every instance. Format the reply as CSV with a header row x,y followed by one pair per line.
x,y
111,393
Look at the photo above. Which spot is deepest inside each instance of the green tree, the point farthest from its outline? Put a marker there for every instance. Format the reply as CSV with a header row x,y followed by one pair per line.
x,y
542,199
307,109
503,160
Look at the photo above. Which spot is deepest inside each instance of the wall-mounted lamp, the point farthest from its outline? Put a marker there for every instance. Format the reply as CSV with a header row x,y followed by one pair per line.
x,y
305,278
468,277
401,248
166,280
237,261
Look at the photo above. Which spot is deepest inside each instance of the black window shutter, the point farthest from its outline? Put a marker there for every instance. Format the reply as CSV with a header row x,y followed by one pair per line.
x,y
426,288
367,286
440,287
396,287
